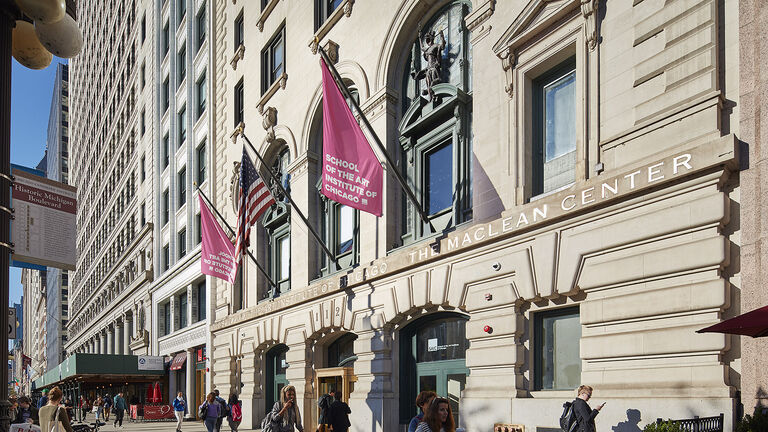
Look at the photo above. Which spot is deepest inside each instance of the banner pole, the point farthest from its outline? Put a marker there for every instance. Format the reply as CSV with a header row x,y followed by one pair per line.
x,y
232,232
403,184
293,204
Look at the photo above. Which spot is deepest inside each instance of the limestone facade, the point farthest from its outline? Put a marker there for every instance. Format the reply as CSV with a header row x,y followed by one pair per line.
x,y
640,242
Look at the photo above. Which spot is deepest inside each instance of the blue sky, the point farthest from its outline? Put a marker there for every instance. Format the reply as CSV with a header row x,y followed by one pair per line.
x,y
30,105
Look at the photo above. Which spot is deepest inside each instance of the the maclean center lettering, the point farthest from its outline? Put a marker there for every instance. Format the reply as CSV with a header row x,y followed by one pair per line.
x,y
343,179
560,204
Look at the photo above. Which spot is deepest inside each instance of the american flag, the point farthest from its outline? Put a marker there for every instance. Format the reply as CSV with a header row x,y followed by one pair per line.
x,y
254,200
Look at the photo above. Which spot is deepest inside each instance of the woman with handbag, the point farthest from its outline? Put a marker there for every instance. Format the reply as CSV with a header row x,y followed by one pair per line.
x,y
210,411
54,418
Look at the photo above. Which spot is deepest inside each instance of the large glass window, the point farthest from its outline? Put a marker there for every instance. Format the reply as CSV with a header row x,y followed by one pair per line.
x,y
201,305
239,30
323,10
341,353
557,361
554,128
182,302
165,318
277,224
436,125
284,258
273,60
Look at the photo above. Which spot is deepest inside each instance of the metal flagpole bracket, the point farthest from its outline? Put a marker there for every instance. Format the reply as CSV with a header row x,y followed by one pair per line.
x,y
10,246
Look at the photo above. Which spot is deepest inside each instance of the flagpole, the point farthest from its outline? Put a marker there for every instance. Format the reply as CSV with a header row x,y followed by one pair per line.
x,y
232,232
340,84
276,181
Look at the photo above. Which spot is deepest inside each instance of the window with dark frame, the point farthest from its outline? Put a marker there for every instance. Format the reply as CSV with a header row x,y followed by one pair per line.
x,y
182,242
201,304
166,207
181,7
166,94
143,75
239,103
182,125
182,63
166,39
323,11
554,129
201,163
182,182
201,95
166,258
166,150
143,122
143,168
273,60
182,308
198,229
557,361
201,27
143,28
264,4
143,214
239,30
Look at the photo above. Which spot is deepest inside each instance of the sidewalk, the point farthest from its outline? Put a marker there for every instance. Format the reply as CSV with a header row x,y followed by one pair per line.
x,y
160,426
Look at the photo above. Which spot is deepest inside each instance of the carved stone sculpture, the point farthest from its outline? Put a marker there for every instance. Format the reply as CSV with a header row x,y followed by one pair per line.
x,y
433,55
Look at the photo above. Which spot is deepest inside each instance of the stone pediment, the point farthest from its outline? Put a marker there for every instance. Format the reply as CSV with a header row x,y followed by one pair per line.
x,y
537,15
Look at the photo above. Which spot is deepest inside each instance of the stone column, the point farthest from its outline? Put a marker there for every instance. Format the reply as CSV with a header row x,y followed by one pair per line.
x,y
102,342
190,393
118,339
126,335
373,399
174,316
110,348
135,321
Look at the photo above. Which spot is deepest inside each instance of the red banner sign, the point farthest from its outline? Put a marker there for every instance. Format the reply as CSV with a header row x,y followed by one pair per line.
x,y
158,412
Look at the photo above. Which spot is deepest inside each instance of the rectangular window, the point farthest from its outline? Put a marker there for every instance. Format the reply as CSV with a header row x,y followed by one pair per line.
x,y
143,28
181,7
182,240
166,94
143,122
239,31
166,207
166,150
166,39
201,163
284,258
557,360
198,229
345,228
143,75
166,313
554,128
264,4
201,96
166,258
183,310
201,306
182,125
273,60
438,178
143,168
143,214
182,180
201,27
239,103
182,63
323,10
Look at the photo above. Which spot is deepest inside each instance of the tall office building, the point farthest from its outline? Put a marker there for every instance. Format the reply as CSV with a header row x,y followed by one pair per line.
x,y
577,165
57,160
112,141
33,283
182,111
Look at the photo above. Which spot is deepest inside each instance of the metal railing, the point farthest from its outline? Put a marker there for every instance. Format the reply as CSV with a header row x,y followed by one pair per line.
x,y
699,424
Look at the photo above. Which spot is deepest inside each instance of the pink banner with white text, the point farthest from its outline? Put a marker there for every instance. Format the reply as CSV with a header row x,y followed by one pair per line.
x,y
352,174
218,252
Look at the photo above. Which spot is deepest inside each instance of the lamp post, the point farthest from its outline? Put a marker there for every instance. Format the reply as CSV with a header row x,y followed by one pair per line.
x,y
57,33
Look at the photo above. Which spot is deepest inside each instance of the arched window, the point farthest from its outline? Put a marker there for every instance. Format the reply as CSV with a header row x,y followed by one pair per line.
x,y
341,352
275,374
277,223
338,224
436,123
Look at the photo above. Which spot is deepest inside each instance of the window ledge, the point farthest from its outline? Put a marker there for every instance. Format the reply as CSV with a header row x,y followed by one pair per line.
x,y
265,14
552,394
278,84
239,55
345,8
235,133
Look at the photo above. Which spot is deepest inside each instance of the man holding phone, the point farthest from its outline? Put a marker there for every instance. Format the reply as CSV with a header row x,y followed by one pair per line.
x,y
585,416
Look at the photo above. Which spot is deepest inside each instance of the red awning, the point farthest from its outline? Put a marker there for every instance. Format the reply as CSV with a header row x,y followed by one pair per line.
x,y
178,361
754,323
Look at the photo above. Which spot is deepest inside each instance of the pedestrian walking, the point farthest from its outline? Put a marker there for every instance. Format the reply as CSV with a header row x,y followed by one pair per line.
x,y
210,411
235,409
585,416
52,412
43,401
285,415
438,417
223,412
26,413
119,407
338,413
323,404
106,405
98,406
83,405
179,408
422,401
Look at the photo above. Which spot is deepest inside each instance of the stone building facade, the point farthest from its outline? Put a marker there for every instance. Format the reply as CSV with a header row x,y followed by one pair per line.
x,y
579,164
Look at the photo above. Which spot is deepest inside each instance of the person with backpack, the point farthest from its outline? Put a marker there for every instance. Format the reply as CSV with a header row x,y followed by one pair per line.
x,y
223,412
210,411
106,407
179,407
338,413
235,409
323,404
120,407
422,401
583,415
285,414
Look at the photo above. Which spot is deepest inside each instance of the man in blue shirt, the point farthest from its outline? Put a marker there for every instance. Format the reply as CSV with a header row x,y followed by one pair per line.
x,y
43,401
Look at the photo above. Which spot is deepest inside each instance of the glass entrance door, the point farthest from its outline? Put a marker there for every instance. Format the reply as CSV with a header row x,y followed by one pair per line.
x,y
276,380
446,378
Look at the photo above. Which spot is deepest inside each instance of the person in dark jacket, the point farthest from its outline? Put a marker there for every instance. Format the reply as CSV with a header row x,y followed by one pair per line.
x,y
585,416
323,404
26,413
338,413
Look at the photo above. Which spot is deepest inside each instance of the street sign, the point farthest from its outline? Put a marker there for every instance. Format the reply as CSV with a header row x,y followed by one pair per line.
x,y
11,323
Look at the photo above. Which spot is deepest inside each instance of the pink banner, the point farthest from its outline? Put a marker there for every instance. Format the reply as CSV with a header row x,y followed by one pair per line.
x,y
352,174
218,254
158,412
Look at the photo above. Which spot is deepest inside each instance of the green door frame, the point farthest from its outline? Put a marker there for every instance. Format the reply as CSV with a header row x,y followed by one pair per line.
x,y
275,381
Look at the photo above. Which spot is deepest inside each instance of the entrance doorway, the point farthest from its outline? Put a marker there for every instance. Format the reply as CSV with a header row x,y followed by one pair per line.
x,y
433,352
276,366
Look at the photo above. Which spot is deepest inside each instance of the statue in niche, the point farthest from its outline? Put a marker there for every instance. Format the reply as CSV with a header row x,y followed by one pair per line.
x,y
433,55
